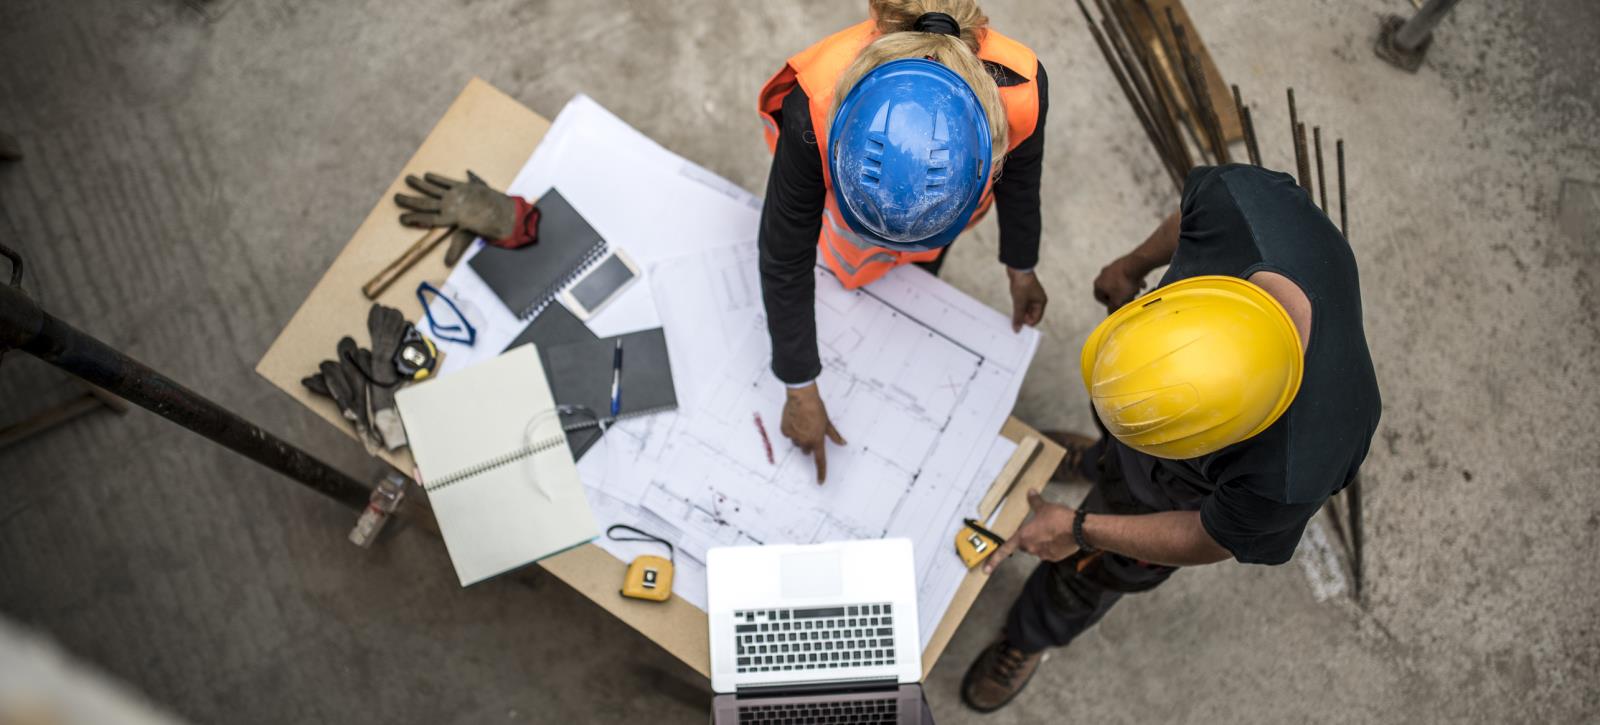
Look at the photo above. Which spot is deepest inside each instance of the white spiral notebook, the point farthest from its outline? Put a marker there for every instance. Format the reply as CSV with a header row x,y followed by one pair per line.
x,y
495,463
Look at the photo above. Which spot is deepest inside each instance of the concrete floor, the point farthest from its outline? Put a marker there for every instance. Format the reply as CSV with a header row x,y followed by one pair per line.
x,y
192,167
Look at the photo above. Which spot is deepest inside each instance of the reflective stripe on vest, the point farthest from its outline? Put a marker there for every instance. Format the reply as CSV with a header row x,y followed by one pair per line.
x,y
816,70
849,253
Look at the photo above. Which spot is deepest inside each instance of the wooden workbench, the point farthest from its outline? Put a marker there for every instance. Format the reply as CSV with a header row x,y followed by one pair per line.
x,y
490,133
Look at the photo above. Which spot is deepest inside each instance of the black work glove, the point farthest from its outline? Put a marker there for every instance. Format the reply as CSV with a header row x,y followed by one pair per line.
x,y
386,327
471,207
343,381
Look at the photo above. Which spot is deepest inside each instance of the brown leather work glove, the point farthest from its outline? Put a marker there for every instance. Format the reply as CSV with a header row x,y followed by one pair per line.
x,y
805,421
471,207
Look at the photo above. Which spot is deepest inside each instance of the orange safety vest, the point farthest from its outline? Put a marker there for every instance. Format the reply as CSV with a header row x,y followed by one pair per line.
x,y
853,260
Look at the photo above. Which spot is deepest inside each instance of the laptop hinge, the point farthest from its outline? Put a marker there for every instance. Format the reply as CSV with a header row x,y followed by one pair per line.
x,y
830,686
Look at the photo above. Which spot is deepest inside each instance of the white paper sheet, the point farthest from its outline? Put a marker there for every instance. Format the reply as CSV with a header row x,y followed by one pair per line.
x,y
919,403
637,194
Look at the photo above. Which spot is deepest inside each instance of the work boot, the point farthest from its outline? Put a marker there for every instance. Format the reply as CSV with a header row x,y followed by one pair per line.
x,y
998,674
1077,446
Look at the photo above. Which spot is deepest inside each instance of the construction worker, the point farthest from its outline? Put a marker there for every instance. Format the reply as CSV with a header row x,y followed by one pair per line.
x,y
1232,401
888,140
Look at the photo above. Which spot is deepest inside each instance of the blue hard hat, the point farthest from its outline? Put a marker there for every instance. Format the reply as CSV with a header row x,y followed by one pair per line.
x,y
909,151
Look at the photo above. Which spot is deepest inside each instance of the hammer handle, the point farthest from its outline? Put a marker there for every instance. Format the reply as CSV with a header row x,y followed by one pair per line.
x,y
412,255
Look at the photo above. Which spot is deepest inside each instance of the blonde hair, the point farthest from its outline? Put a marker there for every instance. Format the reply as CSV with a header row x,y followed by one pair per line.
x,y
898,40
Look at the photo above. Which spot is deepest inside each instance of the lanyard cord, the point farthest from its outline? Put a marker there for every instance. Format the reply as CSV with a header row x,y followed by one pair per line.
x,y
642,536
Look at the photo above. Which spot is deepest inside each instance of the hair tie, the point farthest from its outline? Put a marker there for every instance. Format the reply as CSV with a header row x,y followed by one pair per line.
x,y
936,23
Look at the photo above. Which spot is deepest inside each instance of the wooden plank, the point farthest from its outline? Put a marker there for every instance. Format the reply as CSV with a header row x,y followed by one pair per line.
x,y
484,130
1026,448
1221,94
1033,478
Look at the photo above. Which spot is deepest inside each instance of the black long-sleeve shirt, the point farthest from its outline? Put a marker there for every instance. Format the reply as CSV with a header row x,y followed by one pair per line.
x,y
791,220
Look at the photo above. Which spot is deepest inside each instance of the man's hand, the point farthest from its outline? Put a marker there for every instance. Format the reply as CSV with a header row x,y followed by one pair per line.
x,y
1027,299
1046,534
1118,283
805,421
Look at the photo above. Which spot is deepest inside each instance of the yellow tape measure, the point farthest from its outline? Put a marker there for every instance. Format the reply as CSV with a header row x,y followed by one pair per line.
x,y
975,543
649,577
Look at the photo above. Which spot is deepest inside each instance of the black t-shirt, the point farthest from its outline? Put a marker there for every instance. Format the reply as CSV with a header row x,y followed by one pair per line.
x,y
1256,496
791,219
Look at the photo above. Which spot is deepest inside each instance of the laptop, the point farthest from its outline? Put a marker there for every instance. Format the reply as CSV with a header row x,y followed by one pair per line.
x,y
815,633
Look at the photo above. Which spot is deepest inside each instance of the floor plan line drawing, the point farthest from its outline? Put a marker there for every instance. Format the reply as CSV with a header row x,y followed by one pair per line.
x,y
914,376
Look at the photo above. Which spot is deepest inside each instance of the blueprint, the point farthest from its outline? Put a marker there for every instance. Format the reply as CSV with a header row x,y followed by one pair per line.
x,y
917,377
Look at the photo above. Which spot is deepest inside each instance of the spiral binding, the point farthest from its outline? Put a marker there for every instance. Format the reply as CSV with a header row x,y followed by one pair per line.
x,y
549,295
608,420
493,463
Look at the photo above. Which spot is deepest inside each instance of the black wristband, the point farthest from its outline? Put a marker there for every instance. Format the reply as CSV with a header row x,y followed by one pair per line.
x,y
1077,532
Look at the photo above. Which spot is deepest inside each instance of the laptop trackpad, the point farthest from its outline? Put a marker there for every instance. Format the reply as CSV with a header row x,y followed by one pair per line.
x,y
811,574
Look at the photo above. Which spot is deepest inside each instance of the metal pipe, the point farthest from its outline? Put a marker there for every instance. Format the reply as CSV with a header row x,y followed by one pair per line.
x,y
26,327
1419,28
1322,178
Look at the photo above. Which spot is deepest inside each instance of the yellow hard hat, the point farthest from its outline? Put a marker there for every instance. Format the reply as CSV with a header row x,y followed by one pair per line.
x,y
1193,367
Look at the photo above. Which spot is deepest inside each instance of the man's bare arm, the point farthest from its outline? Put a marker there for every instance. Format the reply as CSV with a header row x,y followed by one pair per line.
x,y
1174,538
1122,280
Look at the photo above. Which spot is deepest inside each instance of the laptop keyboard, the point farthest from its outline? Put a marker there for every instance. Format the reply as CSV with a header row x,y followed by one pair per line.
x,y
854,711
816,638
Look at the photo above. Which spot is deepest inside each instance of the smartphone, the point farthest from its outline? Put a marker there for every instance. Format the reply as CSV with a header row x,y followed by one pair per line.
x,y
600,284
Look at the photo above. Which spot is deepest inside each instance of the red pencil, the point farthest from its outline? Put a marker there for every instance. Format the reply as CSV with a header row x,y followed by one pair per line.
x,y
765,441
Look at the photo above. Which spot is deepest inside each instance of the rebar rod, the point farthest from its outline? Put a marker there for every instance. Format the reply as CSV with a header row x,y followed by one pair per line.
x,y
1205,111
1111,26
1127,91
1302,158
1183,103
1322,178
1250,148
1344,217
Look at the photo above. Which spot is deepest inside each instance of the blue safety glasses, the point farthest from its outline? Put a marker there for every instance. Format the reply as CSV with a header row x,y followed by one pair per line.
x,y
454,327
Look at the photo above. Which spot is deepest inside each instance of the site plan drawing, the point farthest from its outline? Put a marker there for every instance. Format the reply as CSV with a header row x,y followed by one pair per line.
x,y
917,376
918,403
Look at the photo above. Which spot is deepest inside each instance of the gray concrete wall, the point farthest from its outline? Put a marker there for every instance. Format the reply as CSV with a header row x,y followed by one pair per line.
x,y
192,167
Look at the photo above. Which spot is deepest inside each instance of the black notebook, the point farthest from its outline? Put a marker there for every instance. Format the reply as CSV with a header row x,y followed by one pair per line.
x,y
528,279
578,366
